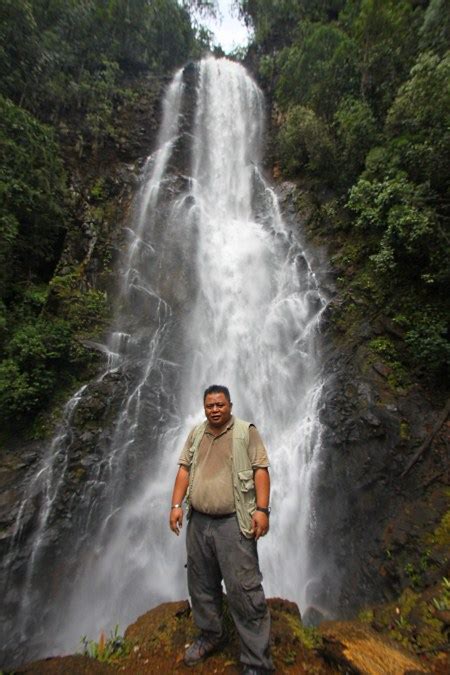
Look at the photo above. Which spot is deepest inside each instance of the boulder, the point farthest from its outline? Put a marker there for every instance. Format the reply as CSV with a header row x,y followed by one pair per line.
x,y
357,648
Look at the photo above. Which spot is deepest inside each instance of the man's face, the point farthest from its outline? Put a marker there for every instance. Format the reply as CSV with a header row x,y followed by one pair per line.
x,y
217,409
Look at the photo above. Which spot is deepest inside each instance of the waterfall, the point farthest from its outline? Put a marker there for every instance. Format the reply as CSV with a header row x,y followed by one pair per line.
x,y
214,288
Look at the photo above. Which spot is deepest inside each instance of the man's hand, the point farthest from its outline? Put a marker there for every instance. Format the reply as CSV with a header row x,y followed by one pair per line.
x,y
179,492
260,523
176,520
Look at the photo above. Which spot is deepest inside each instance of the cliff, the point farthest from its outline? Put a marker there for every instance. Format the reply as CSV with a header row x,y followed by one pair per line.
x,y
382,493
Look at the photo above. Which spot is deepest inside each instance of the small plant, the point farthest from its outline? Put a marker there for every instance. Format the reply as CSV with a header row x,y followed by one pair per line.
x,y
289,658
107,649
402,622
412,573
442,602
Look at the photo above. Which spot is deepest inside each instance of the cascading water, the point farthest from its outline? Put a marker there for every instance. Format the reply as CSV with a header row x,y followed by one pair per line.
x,y
215,289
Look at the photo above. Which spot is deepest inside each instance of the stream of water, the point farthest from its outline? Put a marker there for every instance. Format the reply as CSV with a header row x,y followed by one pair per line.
x,y
215,288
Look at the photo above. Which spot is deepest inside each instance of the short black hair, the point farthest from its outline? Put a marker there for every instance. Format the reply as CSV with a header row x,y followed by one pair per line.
x,y
217,389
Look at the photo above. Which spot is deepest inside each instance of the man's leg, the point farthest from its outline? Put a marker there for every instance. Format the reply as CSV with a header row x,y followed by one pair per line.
x,y
204,577
238,560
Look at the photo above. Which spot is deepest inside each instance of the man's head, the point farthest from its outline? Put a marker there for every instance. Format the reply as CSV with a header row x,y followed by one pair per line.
x,y
217,403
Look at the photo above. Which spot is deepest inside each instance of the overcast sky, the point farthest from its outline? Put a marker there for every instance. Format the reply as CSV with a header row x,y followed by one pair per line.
x,y
228,31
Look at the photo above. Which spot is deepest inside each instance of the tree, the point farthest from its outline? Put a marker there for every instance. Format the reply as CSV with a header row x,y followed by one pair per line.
x,y
386,32
305,144
435,31
356,132
20,50
418,124
320,71
33,194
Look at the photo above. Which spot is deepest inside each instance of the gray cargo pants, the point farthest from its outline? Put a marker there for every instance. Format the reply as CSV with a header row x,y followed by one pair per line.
x,y
217,550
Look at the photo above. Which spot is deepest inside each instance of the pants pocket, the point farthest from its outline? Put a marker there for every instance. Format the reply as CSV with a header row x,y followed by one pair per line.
x,y
252,593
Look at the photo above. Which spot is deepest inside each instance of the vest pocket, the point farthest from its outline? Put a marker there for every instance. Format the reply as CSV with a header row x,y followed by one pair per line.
x,y
246,481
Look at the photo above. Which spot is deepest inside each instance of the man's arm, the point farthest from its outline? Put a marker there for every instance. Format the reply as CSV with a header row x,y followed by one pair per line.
x,y
178,494
262,489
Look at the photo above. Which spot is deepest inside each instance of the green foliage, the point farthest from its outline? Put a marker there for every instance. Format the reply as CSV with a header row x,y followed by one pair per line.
x,y
385,349
66,63
28,374
441,536
275,23
397,208
386,32
304,143
33,196
363,87
356,133
83,307
320,71
429,347
19,47
60,56
109,649
417,124
435,30
415,573
442,601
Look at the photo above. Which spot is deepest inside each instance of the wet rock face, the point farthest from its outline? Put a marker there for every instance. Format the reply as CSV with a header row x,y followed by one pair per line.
x,y
372,523
14,467
362,496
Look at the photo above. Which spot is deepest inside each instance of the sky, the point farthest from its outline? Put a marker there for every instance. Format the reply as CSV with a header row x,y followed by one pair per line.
x,y
228,30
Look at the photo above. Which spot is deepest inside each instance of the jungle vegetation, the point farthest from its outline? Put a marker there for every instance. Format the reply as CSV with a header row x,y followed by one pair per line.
x,y
361,89
362,94
63,63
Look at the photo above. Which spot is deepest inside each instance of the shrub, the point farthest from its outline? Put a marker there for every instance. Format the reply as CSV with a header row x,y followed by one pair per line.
x,y
304,143
33,191
28,374
320,71
356,133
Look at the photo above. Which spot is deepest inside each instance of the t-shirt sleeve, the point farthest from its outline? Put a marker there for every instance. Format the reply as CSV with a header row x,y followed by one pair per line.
x,y
256,450
184,459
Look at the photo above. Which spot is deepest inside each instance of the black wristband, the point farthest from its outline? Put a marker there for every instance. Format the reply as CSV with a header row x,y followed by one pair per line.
x,y
264,509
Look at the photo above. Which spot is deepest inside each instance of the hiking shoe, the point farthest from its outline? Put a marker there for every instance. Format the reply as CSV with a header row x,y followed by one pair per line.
x,y
201,648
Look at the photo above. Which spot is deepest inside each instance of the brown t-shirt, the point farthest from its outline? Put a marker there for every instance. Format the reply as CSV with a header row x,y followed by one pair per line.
x,y
212,488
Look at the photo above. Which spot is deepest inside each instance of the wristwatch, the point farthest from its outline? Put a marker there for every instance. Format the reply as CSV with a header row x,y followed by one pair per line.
x,y
264,509
176,506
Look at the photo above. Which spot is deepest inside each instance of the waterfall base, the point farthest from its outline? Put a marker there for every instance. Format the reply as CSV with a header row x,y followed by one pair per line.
x,y
155,643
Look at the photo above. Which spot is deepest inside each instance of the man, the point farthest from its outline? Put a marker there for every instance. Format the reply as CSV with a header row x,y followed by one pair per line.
x,y
223,472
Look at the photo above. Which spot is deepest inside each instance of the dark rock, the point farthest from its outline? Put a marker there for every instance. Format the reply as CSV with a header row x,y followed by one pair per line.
x,y
313,616
382,369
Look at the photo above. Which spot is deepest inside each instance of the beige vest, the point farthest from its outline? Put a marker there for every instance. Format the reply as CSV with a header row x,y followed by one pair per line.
x,y
242,473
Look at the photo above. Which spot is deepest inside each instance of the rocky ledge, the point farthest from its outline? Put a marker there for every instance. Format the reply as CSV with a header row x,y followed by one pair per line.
x,y
155,644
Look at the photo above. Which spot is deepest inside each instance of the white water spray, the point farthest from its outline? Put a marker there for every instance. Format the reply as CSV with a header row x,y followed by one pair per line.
x,y
250,323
